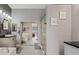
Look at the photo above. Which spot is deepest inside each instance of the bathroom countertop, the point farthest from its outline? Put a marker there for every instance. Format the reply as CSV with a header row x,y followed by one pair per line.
x,y
72,43
7,36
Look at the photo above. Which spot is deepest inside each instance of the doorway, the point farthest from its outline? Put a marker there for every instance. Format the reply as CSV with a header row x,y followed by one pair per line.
x,y
30,39
29,33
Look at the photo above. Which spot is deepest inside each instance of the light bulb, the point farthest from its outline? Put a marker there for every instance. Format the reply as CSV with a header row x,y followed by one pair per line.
x,y
10,17
4,14
0,11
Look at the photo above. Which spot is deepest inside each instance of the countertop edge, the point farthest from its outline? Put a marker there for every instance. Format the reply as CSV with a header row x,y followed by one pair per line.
x,y
71,44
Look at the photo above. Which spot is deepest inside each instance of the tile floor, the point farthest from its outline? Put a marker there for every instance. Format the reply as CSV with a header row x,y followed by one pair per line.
x,y
29,49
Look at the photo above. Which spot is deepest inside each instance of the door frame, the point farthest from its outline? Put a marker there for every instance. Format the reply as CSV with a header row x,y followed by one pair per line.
x,y
31,29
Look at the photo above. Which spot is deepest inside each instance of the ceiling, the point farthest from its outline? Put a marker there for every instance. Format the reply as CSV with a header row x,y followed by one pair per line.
x,y
27,6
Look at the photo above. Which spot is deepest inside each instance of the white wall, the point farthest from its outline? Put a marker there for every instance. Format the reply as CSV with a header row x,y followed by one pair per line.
x,y
27,14
56,35
75,22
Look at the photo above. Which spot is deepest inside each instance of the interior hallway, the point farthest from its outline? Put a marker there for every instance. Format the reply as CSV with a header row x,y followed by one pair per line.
x,y
29,49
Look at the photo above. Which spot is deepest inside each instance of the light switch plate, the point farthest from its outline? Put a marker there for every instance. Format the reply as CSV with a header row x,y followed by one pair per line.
x,y
62,15
54,21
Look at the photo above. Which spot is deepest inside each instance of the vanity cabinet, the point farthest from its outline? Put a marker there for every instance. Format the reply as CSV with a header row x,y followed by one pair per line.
x,y
7,42
71,48
7,50
8,45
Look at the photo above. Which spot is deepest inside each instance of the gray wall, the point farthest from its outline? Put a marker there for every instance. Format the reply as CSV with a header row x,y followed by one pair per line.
x,y
56,35
75,23
5,8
